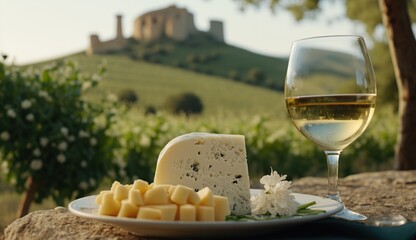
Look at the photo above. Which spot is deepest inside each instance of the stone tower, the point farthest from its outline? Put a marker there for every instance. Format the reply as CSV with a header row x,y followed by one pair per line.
x,y
118,43
119,34
217,30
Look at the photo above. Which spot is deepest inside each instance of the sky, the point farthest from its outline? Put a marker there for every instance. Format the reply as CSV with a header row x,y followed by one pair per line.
x,y
32,31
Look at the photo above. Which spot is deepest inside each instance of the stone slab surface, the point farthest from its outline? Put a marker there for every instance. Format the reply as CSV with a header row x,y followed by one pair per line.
x,y
372,194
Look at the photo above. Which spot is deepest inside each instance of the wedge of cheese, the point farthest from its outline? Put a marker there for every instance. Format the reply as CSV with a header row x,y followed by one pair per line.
x,y
217,161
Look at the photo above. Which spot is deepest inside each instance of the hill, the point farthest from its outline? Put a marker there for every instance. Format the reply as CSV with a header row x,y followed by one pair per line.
x,y
202,53
154,83
227,78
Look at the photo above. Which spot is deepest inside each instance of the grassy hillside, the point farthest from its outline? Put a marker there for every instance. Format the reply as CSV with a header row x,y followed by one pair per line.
x,y
201,53
154,83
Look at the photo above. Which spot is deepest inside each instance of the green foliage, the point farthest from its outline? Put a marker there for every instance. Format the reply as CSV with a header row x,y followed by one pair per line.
x,y
270,142
50,134
185,103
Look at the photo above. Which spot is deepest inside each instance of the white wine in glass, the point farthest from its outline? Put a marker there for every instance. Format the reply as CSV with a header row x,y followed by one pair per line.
x,y
330,92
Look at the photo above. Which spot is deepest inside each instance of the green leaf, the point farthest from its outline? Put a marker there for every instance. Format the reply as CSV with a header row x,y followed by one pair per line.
x,y
303,210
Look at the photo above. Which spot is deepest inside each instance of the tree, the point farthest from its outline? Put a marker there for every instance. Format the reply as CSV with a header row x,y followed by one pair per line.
x,y
395,15
185,103
128,97
403,50
51,142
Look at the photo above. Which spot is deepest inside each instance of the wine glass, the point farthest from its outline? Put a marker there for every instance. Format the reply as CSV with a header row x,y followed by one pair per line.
x,y
330,93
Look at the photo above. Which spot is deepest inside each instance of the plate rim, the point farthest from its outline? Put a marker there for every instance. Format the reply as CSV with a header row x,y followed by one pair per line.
x,y
145,227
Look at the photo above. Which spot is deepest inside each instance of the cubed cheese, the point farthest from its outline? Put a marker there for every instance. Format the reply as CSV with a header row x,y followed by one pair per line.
x,y
180,194
187,213
121,192
100,196
140,185
217,161
135,197
149,213
128,209
156,195
221,208
205,213
109,206
193,198
206,196
167,211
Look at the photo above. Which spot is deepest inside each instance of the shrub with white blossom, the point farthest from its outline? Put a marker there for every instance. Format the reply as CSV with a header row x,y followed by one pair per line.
x,y
53,143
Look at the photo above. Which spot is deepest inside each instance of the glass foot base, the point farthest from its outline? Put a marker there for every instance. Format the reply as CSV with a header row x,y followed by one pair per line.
x,y
349,215
345,213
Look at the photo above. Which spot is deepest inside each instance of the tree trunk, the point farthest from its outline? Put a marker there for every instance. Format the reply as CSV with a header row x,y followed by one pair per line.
x,y
403,51
27,198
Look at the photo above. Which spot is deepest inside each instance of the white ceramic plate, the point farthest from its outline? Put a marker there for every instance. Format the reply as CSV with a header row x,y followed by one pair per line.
x,y
86,207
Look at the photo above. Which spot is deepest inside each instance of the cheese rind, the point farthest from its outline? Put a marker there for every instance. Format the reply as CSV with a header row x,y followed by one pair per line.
x,y
217,161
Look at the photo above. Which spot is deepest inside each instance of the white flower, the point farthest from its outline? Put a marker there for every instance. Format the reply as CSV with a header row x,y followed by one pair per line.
x,y
274,181
122,172
71,138
93,141
96,77
43,94
136,130
83,134
83,185
64,131
61,158
36,164
92,182
37,152
26,104
11,113
30,117
145,141
5,136
4,167
112,97
62,146
43,141
83,164
276,199
86,85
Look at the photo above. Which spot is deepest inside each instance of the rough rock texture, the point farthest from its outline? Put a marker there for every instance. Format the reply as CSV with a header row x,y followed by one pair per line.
x,y
59,223
371,194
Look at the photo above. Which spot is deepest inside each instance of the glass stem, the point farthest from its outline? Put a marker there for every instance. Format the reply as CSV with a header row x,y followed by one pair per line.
x,y
332,158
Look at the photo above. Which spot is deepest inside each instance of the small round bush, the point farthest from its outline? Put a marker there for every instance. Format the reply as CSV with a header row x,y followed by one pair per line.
x,y
255,76
128,97
185,103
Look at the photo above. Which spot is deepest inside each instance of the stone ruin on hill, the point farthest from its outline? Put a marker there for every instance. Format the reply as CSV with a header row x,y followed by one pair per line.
x,y
171,22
